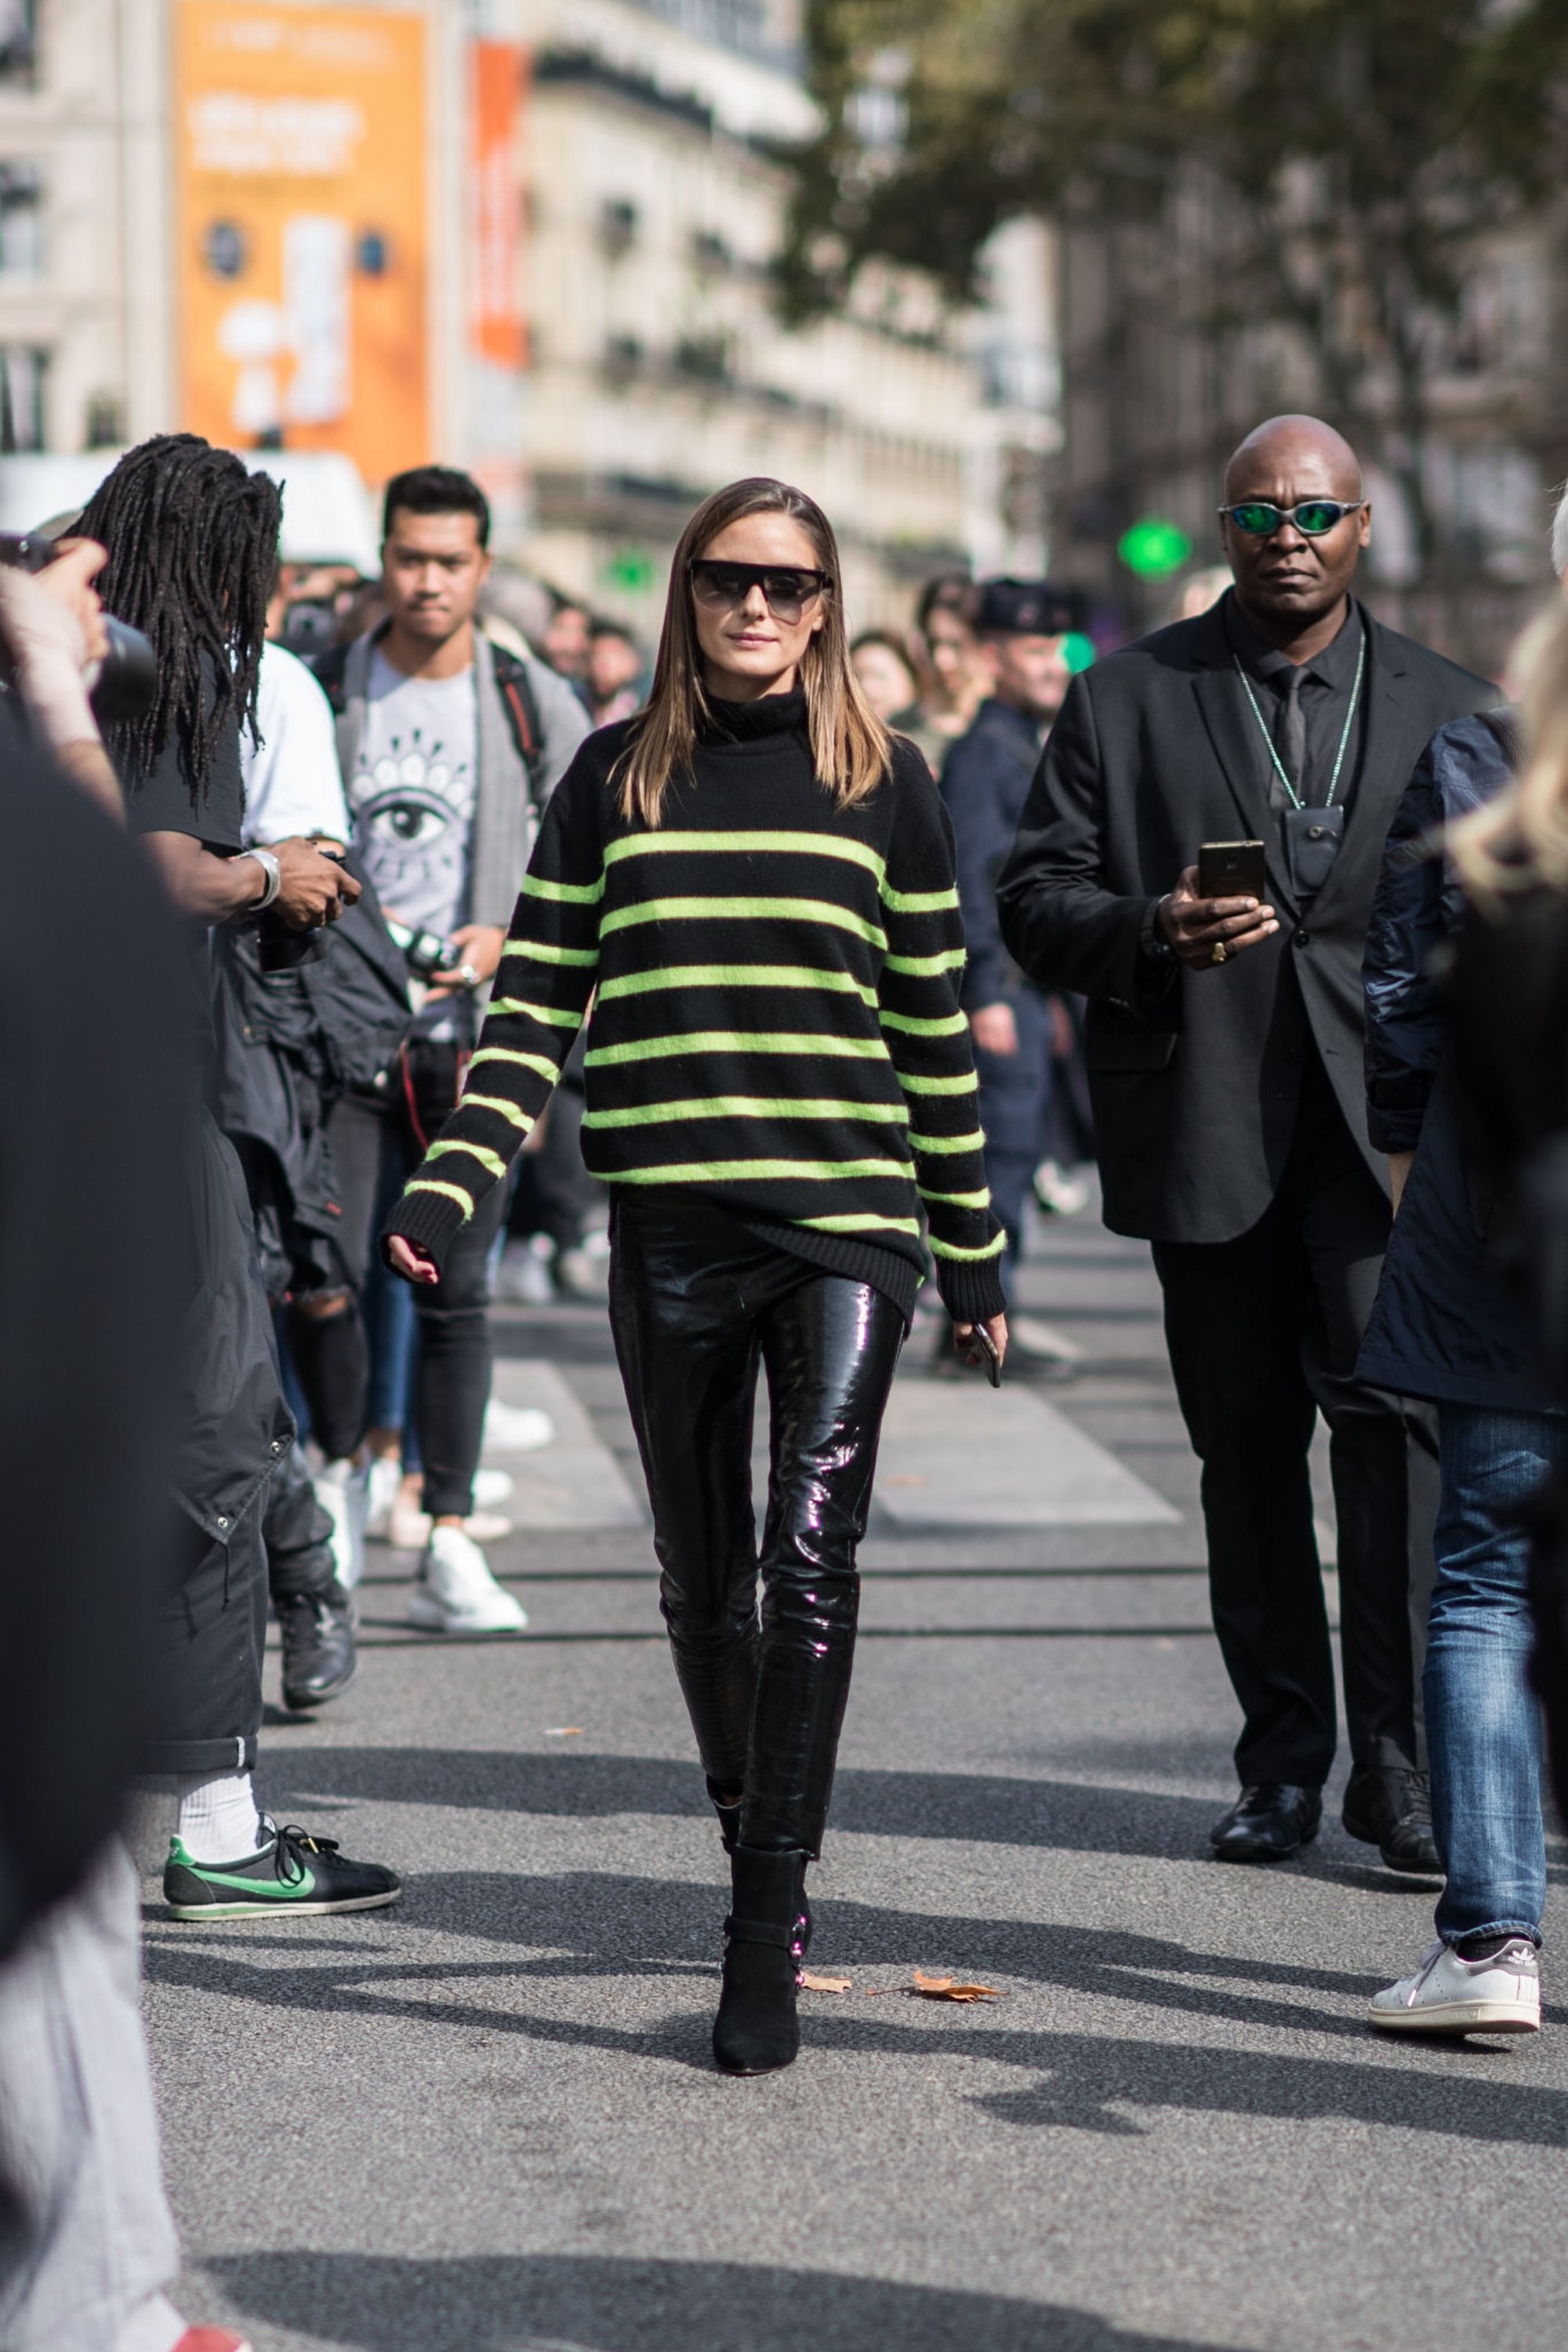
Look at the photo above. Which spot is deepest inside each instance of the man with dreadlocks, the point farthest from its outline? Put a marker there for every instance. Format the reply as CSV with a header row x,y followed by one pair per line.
x,y
192,538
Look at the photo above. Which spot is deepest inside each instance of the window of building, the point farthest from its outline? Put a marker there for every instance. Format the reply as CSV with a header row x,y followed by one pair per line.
x,y
21,373
18,40
618,224
21,220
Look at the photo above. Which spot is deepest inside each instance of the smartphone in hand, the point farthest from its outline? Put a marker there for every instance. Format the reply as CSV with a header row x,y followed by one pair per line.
x,y
979,1338
1232,870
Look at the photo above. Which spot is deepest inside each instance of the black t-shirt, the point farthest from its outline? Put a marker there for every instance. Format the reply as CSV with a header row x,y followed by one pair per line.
x,y
212,811
163,800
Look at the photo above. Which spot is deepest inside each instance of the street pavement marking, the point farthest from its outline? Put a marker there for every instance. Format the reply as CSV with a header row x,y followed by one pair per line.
x,y
968,1456
576,1482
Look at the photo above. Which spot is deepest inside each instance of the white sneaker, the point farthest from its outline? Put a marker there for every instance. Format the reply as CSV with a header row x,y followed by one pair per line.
x,y
1058,1192
457,1593
385,1479
343,1490
516,1428
1451,1995
585,1272
523,1277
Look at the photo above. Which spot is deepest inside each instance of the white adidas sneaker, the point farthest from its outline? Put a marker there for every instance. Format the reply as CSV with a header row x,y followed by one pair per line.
x,y
1448,1994
456,1593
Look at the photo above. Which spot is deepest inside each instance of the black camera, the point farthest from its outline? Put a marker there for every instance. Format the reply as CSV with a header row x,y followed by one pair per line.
x,y
128,675
425,952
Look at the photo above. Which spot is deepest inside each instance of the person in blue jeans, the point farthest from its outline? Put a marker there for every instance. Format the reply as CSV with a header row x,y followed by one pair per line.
x,y
1447,1327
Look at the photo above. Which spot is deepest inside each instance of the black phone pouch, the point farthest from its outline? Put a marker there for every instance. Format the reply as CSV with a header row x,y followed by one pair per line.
x,y
1312,838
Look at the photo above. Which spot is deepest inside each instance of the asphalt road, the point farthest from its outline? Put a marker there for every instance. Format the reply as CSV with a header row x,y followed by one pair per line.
x,y
486,2120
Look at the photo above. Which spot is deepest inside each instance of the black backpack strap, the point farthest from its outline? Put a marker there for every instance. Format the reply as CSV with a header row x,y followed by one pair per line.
x,y
330,669
521,712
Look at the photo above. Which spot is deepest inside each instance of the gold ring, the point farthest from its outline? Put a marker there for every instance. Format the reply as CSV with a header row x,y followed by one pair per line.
x,y
1221,953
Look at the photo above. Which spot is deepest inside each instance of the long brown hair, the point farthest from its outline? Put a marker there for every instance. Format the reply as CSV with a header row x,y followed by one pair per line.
x,y
850,748
1520,838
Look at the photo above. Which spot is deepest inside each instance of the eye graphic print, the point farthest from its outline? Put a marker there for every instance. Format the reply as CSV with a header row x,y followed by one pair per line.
x,y
410,818
405,806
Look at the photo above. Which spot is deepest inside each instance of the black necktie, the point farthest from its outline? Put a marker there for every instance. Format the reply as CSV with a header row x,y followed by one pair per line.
x,y
1290,729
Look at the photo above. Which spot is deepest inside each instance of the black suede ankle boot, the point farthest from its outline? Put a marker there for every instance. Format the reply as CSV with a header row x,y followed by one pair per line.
x,y
730,1838
756,2029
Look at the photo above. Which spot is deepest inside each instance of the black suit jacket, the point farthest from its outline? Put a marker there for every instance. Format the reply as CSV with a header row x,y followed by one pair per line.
x,y
1194,1076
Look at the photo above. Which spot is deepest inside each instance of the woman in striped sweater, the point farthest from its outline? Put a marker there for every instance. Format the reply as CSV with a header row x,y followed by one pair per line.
x,y
752,884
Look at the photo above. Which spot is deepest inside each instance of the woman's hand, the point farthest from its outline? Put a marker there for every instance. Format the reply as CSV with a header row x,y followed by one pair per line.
x,y
410,1261
995,1330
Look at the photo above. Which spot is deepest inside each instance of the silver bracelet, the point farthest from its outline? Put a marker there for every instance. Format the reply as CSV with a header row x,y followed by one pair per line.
x,y
274,873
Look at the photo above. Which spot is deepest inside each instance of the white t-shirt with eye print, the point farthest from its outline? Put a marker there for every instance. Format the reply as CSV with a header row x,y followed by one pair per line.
x,y
413,791
413,796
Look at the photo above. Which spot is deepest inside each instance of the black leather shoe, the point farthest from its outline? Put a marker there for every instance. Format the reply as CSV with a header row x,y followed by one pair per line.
x,y
1391,1809
318,1640
1269,1822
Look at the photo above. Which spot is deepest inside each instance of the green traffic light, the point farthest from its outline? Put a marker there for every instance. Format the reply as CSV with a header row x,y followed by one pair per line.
x,y
1154,548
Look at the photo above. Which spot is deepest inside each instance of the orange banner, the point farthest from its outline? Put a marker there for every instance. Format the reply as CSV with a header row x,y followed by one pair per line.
x,y
302,223
499,333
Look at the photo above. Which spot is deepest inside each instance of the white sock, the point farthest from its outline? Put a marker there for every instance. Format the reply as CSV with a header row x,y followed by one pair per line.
x,y
219,1819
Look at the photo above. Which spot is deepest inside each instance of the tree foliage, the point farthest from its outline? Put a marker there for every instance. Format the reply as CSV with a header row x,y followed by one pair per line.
x,y
1360,147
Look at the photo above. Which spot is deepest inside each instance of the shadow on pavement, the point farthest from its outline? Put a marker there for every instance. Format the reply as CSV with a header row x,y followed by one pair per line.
x,y
602,2303
972,1807
643,1927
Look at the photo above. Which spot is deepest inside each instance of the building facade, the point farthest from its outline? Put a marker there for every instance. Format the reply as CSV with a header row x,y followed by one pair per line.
x,y
640,201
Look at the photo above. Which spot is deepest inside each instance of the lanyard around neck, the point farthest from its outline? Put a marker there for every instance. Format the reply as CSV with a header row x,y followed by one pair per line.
x,y
1296,800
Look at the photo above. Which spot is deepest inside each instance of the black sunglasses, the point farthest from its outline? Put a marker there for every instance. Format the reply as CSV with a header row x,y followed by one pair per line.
x,y
1261,518
787,589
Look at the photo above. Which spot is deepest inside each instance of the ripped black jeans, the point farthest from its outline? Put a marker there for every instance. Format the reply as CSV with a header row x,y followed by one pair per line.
x,y
697,1303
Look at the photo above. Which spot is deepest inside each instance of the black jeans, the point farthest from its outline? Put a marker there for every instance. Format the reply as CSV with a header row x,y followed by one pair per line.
x,y
1264,1332
696,1304
452,1385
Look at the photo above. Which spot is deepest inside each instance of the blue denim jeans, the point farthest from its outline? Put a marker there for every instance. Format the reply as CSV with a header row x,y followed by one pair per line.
x,y
1483,1720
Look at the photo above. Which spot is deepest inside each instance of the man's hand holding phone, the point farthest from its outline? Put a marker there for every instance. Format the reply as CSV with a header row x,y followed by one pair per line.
x,y
1202,932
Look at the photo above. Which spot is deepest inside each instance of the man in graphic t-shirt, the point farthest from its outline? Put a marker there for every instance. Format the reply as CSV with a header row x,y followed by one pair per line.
x,y
449,745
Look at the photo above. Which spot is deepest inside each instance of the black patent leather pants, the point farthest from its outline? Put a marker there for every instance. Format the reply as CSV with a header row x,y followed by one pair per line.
x,y
697,1304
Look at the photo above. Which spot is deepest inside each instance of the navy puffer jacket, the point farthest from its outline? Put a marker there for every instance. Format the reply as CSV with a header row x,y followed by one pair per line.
x,y
1444,1325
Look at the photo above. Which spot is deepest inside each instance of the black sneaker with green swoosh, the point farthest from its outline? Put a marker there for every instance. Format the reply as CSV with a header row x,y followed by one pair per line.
x,y
294,1873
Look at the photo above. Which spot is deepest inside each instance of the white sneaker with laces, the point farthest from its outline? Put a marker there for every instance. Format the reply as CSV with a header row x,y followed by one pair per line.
x,y
343,1490
457,1593
516,1428
1450,1994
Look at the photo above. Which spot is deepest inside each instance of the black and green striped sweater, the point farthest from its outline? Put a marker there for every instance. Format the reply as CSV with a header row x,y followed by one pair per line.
x,y
776,1027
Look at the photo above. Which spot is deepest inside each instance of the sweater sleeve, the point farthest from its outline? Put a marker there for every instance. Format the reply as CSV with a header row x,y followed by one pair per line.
x,y
928,1039
542,993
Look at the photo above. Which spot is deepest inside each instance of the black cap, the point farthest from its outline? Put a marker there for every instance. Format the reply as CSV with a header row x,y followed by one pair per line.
x,y
1028,608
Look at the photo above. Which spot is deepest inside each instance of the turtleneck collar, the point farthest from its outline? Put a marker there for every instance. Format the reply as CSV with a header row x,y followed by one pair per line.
x,y
747,722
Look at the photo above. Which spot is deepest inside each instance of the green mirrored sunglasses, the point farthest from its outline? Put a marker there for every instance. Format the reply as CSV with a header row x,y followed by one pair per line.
x,y
1261,519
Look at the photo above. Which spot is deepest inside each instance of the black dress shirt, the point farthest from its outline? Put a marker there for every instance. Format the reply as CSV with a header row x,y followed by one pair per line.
x,y
1303,706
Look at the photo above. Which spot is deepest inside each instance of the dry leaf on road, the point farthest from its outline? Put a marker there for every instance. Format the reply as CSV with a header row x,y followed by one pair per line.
x,y
824,1984
944,1989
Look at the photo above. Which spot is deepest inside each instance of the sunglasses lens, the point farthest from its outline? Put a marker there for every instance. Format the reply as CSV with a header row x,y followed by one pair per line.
x,y
1316,516
787,593
715,583
1257,519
